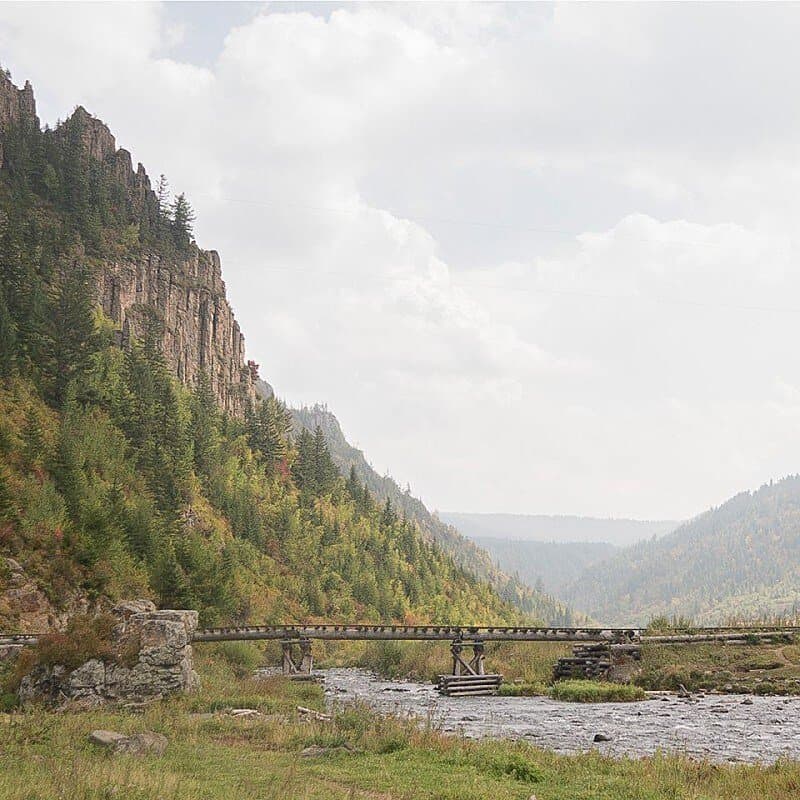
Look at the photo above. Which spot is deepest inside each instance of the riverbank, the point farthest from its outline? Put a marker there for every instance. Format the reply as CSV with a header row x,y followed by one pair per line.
x,y
762,668
283,753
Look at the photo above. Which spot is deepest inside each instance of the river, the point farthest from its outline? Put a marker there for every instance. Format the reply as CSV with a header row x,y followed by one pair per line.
x,y
722,728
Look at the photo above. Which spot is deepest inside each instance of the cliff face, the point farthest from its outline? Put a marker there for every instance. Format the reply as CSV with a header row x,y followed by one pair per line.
x,y
184,294
16,106
200,333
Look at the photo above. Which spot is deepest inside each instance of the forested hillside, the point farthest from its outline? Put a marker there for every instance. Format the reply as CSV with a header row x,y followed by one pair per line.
x,y
352,462
740,560
116,478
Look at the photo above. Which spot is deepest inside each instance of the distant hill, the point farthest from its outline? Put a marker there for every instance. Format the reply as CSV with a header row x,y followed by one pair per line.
x,y
541,528
462,550
550,567
740,560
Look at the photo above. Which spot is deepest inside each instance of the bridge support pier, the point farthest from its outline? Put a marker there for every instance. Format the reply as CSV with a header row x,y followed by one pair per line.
x,y
476,665
301,663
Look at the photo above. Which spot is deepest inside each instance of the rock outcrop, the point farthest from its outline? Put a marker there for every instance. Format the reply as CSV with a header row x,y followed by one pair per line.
x,y
161,664
199,331
16,106
184,294
25,608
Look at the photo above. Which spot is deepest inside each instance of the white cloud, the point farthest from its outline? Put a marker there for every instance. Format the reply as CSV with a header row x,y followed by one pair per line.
x,y
519,249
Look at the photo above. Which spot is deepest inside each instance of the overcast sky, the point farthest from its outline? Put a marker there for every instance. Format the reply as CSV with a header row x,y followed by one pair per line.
x,y
535,258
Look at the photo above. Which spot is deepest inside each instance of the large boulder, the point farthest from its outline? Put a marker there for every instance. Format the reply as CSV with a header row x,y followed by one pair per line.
x,y
153,659
139,744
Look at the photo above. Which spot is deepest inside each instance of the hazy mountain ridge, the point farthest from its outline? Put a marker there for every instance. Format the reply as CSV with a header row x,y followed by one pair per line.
x,y
740,559
549,528
550,567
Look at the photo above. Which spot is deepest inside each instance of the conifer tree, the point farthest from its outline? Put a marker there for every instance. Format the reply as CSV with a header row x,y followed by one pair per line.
x,y
205,426
183,217
162,197
8,339
71,338
324,469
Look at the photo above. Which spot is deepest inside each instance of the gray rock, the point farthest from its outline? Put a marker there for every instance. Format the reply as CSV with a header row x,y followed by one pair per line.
x,y
163,665
245,713
140,744
127,608
147,743
88,676
315,751
109,739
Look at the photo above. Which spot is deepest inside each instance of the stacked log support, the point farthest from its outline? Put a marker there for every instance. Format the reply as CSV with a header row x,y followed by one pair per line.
x,y
469,678
594,661
469,685
298,660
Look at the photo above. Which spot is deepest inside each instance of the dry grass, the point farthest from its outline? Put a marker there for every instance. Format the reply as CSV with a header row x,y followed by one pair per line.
x,y
46,756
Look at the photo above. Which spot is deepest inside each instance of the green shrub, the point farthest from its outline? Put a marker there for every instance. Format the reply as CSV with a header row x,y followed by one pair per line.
x,y
384,658
766,687
243,657
392,744
534,689
581,691
86,637
516,767
8,702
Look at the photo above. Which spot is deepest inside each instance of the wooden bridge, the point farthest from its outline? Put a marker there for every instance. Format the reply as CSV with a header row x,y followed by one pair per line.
x,y
467,668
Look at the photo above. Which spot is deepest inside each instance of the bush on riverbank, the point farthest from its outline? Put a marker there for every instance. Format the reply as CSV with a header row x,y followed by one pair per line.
x,y
596,692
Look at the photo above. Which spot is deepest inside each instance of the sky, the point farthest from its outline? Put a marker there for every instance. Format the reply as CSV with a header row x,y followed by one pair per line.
x,y
536,258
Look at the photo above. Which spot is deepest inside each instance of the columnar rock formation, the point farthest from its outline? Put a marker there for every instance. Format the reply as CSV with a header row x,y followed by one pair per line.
x,y
16,105
199,331
184,293
161,662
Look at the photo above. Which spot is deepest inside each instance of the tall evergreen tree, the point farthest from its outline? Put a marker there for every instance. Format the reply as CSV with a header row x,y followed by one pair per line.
x,y
71,338
183,217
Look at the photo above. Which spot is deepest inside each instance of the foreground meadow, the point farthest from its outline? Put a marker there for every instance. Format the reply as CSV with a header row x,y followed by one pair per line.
x,y
211,754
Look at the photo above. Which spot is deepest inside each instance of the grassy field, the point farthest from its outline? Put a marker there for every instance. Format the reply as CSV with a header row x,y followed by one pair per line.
x,y
747,668
46,756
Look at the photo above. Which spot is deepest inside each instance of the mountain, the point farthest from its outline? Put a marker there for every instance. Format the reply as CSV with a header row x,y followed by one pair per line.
x,y
464,552
740,560
136,458
541,528
551,567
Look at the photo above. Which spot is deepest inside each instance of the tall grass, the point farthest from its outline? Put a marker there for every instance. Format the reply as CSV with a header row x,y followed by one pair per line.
x,y
46,756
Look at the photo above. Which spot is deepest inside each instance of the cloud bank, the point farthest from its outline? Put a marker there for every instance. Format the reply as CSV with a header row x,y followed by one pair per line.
x,y
536,258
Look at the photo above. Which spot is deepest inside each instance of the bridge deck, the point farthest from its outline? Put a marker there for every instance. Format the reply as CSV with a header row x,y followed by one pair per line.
x,y
413,632
447,633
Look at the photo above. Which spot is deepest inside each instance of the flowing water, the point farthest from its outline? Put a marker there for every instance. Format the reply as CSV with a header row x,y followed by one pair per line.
x,y
716,727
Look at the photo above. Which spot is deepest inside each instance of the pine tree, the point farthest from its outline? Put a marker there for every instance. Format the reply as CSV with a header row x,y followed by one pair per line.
x,y
352,484
162,198
388,516
304,467
183,217
204,427
169,579
8,339
324,469
71,338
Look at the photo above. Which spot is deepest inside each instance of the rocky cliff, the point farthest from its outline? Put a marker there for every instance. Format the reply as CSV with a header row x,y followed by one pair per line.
x,y
183,293
16,105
